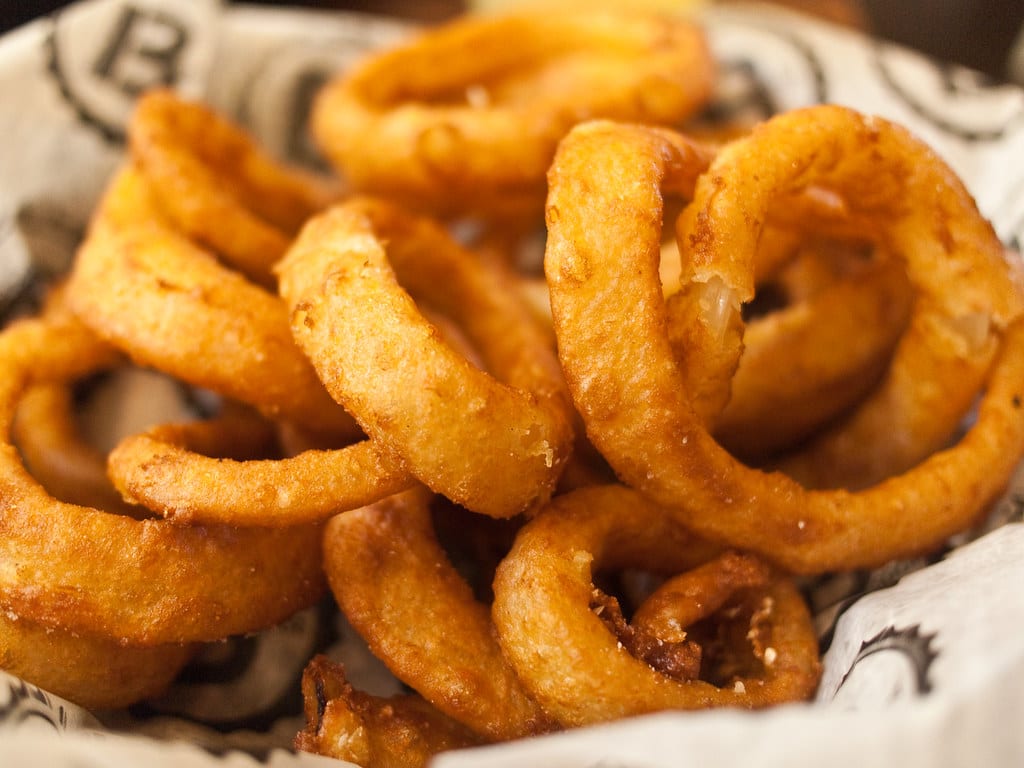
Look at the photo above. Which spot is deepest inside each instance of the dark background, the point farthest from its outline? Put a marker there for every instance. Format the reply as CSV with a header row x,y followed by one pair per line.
x,y
976,33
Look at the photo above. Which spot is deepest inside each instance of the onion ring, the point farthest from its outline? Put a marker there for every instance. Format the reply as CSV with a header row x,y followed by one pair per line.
x,y
373,732
542,597
134,278
455,663
67,466
741,650
659,632
688,597
217,185
179,471
645,425
806,364
508,435
144,582
965,295
93,672
592,155
431,126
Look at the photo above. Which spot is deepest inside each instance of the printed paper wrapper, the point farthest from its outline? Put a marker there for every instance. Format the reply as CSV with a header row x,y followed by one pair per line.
x,y
924,660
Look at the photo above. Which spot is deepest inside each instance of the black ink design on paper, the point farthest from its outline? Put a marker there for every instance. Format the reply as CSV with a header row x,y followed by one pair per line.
x,y
954,100
100,79
47,235
912,646
27,702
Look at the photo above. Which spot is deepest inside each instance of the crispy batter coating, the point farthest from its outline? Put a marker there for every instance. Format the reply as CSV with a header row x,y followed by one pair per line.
x,y
186,473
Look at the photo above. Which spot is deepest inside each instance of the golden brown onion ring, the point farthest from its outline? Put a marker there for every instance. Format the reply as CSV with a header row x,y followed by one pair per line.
x,y
507,430
806,364
144,582
58,457
645,424
461,119
171,306
91,671
180,472
398,589
921,212
565,655
591,161
401,731
217,185
696,594
733,608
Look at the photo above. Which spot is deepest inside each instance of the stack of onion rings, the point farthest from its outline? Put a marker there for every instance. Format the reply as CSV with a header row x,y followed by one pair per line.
x,y
474,458
135,276
107,603
231,337
115,579
647,426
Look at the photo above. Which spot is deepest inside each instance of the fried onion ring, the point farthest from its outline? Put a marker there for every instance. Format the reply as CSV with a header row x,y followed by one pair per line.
x,y
957,267
180,472
806,364
419,616
217,185
134,277
144,582
688,597
396,732
630,228
93,672
440,129
56,455
543,593
508,433
646,426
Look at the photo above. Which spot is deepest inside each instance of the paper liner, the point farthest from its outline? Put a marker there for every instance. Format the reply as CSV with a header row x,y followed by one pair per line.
x,y
924,659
